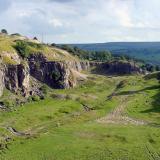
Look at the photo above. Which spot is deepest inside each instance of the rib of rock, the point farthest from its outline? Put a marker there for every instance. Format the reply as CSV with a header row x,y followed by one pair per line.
x,y
79,65
1,80
118,67
17,78
55,74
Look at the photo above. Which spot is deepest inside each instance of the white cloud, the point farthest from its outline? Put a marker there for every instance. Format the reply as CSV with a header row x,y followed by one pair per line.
x,y
83,20
56,22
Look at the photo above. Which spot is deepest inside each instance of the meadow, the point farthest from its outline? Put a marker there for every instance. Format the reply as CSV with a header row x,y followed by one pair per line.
x,y
64,125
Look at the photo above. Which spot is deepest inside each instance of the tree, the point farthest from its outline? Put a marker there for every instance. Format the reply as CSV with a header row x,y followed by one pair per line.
x,y
4,31
153,69
157,68
35,38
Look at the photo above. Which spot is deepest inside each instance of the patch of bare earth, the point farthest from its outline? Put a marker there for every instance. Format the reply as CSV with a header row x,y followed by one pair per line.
x,y
117,116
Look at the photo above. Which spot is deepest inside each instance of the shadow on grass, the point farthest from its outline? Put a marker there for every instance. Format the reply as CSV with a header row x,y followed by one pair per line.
x,y
155,104
138,91
156,98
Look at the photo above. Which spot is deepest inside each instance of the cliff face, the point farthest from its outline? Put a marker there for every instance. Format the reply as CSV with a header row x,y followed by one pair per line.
x,y
79,65
56,74
115,68
121,68
1,80
17,78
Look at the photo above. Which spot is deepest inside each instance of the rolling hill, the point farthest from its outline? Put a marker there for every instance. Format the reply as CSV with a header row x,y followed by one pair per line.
x,y
148,51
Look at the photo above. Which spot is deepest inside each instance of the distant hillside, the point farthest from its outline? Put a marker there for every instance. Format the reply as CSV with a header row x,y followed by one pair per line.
x,y
149,51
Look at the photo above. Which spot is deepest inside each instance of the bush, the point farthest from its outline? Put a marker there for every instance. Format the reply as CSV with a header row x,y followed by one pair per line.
x,y
122,84
35,38
65,110
35,98
22,49
15,34
4,31
55,75
44,89
8,104
26,48
59,96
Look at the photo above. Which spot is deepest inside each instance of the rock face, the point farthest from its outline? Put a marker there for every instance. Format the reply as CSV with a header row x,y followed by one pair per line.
x,y
1,80
79,65
56,74
121,68
17,78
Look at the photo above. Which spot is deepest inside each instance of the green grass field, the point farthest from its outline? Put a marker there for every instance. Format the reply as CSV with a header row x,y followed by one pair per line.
x,y
61,129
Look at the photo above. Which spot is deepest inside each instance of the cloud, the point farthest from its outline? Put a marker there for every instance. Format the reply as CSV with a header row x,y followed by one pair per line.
x,y
70,21
56,22
4,5
62,1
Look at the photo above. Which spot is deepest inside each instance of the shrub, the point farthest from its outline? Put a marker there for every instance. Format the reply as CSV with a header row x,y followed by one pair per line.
x,y
59,96
22,49
26,48
4,31
44,89
35,38
55,75
15,34
122,84
7,103
35,98
65,110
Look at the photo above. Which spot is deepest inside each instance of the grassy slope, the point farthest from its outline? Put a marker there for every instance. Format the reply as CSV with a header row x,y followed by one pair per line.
x,y
63,130
8,52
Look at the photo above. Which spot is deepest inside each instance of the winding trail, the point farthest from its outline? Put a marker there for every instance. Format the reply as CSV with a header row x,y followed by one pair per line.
x,y
117,116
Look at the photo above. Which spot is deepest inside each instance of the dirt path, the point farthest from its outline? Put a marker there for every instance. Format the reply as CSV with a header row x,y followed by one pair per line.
x,y
117,116
17,133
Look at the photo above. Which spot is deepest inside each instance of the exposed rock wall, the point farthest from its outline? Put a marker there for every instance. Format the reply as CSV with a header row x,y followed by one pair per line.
x,y
54,74
1,80
24,78
118,67
17,78
79,65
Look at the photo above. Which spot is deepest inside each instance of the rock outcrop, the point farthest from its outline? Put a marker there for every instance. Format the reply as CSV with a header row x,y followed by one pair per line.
x,y
17,78
1,80
117,67
56,74
120,68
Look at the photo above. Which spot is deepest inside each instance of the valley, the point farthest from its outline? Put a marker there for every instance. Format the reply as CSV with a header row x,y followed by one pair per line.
x,y
55,105
60,128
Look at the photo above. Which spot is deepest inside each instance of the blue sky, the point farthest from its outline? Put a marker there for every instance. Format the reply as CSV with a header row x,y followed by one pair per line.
x,y
83,21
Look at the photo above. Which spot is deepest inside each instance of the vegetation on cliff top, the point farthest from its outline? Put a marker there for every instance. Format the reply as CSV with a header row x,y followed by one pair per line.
x,y
13,45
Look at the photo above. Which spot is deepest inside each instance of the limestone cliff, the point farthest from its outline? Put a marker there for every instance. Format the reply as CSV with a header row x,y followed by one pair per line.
x,y
120,67
1,80
16,78
48,65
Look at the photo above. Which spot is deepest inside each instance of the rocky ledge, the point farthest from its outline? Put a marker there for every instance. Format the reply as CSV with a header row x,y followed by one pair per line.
x,y
56,74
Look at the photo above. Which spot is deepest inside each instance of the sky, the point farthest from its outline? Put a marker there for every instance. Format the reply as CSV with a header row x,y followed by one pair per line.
x,y
82,21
